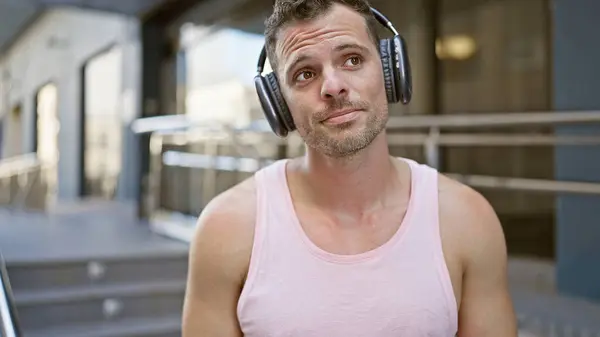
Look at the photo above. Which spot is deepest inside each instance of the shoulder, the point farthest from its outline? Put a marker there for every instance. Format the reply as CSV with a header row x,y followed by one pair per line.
x,y
233,207
218,262
225,230
459,200
471,228
468,222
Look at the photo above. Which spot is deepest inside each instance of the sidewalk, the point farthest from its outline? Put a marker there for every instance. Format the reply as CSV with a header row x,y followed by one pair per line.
x,y
112,230
544,313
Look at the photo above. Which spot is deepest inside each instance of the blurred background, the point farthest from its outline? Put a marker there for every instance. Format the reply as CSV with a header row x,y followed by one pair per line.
x,y
120,120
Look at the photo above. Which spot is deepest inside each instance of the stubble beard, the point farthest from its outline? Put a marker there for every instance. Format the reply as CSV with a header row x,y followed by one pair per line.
x,y
344,140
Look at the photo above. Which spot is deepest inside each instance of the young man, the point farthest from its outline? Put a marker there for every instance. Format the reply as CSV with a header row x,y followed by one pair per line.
x,y
347,240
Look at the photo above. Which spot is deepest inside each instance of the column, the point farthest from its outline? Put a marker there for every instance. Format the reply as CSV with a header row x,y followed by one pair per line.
x,y
130,110
416,21
152,56
576,85
421,46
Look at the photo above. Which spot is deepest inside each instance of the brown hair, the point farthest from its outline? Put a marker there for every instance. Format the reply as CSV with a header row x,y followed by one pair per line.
x,y
289,11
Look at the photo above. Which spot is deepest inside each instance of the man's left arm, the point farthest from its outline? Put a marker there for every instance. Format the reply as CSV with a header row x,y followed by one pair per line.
x,y
486,307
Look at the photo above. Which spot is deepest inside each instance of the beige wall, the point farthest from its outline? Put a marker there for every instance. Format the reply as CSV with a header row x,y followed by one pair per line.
x,y
53,50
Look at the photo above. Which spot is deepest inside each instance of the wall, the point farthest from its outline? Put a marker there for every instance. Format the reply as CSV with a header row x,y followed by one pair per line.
x,y
508,71
54,49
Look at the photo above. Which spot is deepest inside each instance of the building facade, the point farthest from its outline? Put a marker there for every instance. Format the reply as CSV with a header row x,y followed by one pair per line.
x,y
468,57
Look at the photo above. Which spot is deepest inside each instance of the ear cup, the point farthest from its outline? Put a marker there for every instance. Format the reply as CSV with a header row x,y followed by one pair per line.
x,y
402,71
282,109
387,63
270,106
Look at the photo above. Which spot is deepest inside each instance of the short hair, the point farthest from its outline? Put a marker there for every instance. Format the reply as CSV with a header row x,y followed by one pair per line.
x,y
289,11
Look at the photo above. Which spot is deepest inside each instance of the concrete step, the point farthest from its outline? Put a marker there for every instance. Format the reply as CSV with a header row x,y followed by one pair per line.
x,y
75,274
44,296
166,326
94,270
43,309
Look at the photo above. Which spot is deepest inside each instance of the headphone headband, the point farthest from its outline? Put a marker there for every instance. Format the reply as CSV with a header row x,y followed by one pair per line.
x,y
382,19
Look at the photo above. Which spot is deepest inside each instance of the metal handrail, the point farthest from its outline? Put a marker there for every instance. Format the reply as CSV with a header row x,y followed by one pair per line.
x,y
19,164
402,131
412,139
493,120
527,184
9,322
21,167
240,164
182,122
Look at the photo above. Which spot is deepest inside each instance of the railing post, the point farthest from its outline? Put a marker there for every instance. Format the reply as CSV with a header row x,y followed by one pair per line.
x,y
153,200
432,148
25,184
209,181
5,191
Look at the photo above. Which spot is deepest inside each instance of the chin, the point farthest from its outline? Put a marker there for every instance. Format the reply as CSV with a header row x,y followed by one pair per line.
x,y
344,148
341,143
348,133
341,139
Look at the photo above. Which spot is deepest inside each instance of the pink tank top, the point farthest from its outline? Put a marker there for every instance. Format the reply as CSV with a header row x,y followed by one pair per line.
x,y
295,289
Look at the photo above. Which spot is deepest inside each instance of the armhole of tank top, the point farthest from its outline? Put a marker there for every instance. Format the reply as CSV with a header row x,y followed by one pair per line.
x,y
259,235
442,266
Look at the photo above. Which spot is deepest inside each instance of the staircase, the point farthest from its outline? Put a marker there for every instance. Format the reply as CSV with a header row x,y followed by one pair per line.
x,y
94,271
124,297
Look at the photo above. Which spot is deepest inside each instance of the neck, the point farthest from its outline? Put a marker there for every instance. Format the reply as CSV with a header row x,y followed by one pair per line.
x,y
355,184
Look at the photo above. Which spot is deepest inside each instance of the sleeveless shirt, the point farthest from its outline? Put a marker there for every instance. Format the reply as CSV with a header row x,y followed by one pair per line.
x,y
296,289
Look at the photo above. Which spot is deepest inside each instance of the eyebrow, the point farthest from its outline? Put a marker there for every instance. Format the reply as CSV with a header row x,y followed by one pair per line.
x,y
337,48
345,46
293,65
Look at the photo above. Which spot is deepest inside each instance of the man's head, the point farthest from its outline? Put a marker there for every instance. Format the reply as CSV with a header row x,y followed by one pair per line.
x,y
325,54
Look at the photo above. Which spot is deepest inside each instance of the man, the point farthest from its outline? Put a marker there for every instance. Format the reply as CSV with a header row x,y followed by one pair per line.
x,y
345,241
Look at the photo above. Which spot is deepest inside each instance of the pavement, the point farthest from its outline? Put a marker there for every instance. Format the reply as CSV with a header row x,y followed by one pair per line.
x,y
112,230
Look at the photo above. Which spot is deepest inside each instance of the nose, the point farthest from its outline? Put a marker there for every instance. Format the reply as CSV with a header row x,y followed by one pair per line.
x,y
334,86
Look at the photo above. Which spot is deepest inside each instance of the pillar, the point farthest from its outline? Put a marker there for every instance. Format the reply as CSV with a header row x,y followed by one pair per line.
x,y
576,85
130,110
421,46
416,21
152,55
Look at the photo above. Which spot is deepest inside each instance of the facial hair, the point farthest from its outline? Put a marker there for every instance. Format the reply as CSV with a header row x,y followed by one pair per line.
x,y
345,139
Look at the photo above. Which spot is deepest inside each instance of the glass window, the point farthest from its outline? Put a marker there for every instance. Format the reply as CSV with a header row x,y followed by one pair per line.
x,y
215,74
103,125
219,83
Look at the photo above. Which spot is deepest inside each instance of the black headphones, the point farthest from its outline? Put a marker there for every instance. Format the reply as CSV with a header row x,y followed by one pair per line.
x,y
396,74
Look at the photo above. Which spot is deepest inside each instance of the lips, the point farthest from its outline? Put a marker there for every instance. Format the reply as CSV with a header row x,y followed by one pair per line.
x,y
342,117
339,113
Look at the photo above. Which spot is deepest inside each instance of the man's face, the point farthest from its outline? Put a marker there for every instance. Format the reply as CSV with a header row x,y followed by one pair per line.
x,y
330,74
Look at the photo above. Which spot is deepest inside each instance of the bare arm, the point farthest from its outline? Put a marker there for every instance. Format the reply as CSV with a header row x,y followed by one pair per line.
x,y
218,262
486,306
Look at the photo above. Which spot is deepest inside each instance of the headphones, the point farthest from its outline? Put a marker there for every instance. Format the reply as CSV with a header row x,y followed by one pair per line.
x,y
396,74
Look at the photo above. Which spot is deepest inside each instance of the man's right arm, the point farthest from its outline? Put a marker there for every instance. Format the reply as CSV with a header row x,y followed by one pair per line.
x,y
218,263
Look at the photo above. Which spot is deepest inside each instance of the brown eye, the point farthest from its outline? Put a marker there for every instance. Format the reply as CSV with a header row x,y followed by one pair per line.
x,y
305,75
353,61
